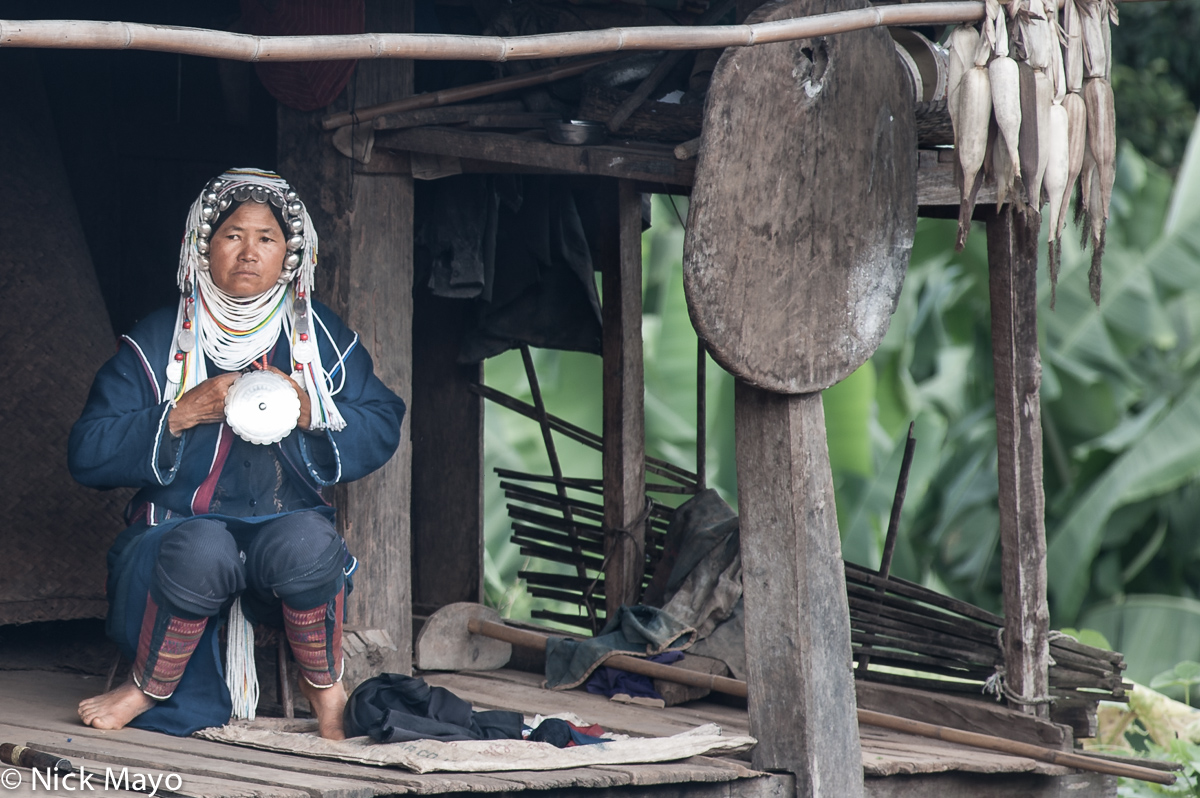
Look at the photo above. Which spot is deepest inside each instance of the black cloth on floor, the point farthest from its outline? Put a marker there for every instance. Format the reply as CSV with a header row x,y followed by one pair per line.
x,y
393,708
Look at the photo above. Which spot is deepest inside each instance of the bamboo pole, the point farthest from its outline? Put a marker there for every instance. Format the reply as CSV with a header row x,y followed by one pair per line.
x,y
722,684
92,35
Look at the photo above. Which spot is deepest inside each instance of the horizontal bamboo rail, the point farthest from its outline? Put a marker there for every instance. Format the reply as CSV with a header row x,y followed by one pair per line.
x,y
90,35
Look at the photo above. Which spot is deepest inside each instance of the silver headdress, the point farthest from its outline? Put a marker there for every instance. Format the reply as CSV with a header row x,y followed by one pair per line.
x,y
231,331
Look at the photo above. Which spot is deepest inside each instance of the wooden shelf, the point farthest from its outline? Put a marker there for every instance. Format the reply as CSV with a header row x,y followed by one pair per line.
x,y
653,166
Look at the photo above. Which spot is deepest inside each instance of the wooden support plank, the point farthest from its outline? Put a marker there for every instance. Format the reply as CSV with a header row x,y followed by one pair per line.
x,y
802,705
624,414
654,164
1012,257
447,460
985,717
365,275
992,785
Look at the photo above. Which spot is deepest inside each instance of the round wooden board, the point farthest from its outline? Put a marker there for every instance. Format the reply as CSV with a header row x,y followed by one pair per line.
x,y
804,204
445,644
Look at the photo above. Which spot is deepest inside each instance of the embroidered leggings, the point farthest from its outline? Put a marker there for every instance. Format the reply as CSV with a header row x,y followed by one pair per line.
x,y
290,576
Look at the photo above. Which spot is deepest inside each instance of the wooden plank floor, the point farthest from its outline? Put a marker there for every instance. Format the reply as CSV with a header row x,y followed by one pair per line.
x,y
38,707
885,752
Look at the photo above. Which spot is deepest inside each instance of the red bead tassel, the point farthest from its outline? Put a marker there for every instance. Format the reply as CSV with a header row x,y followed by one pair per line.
x,y
316,639
165,645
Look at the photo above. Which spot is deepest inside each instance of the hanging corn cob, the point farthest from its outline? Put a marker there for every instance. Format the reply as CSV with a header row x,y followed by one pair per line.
x,y
1055,127
1101,155
969,99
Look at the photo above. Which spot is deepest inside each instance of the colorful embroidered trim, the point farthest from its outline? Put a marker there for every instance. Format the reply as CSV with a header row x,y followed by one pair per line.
x,y
165,645
316,639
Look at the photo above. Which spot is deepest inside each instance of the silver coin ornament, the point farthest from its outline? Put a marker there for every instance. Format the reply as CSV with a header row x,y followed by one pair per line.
x,y
186,340
175,371
303,352
262,407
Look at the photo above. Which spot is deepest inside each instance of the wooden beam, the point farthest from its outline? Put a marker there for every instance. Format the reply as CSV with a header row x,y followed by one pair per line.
x,y
624,413
1013,258
447,459
802,696
650,162
365,275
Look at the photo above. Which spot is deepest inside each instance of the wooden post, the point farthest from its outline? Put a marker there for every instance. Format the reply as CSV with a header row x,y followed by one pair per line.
x,y
624,414
447,460
1012,259
365,275
800,678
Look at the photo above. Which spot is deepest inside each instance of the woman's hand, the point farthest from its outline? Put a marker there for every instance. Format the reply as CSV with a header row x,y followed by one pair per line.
x,y
203,404
305,420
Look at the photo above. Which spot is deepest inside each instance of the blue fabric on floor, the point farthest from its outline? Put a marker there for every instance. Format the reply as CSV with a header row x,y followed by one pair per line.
x,y
610,681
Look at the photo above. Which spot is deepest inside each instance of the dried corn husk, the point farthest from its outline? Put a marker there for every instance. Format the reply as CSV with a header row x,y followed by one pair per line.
x,y
1040,39
1005,79
1076,149
1093,17
964,41
1073,46
1045,101
1102,142
1057,169
1003,169
971,138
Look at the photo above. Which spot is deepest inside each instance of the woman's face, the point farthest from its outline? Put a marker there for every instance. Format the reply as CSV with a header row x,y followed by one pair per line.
x,y
247,251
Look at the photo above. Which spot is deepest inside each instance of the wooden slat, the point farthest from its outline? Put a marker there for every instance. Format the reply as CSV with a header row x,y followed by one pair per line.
x,y
624,414
985,717
797,622
192,786
935,182
46,702
656,164
447,457
1013,260
365,275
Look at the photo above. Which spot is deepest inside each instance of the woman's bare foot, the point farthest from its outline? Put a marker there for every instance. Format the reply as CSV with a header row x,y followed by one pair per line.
x,y
115,708
327,704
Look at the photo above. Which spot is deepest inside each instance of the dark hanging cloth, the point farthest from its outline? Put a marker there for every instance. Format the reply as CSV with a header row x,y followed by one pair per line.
x,y
639,631
516,245
393,708
304,85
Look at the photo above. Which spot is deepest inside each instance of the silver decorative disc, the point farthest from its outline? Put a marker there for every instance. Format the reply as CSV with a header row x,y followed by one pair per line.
x,y
175,371
186,340
262,407
303,352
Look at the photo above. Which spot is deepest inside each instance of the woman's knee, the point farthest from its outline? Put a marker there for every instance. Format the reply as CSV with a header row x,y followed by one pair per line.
x,y
298,557
199,567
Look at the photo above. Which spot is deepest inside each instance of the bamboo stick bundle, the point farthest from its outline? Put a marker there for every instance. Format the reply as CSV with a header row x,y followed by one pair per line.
x,y
902,624
513,490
